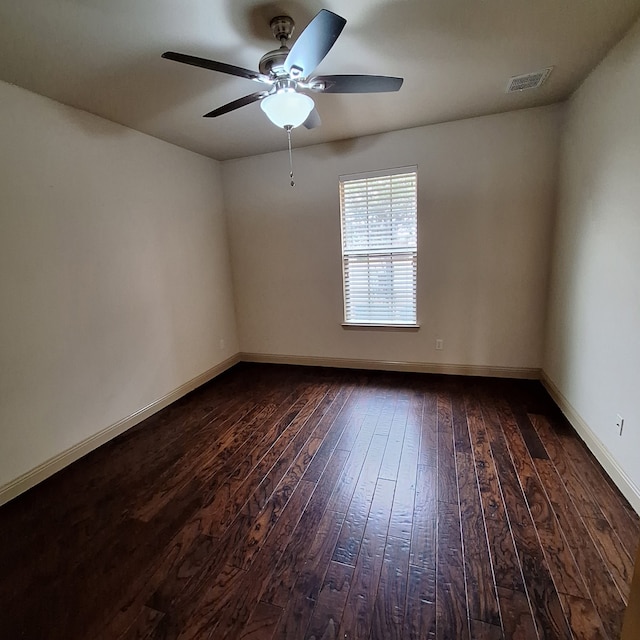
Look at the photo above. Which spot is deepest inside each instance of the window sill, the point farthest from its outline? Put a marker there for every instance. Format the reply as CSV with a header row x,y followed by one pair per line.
x,y
381,327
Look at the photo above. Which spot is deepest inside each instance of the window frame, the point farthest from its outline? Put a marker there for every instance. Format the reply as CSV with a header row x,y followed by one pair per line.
x,y
389,323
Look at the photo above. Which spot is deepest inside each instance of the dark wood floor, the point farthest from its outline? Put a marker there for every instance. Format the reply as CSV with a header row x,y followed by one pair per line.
x,y
285,502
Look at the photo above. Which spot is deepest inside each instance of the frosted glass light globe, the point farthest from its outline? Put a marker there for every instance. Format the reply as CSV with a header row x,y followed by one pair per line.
x,y
287,108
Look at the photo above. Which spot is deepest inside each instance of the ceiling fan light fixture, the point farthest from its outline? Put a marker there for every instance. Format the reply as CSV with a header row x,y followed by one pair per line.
x,y
287,108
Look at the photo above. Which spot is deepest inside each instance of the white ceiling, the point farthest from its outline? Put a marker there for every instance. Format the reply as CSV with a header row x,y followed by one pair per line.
x,y
456,56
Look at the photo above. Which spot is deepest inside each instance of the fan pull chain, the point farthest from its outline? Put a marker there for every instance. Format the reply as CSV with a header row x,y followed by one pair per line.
x,y
293,184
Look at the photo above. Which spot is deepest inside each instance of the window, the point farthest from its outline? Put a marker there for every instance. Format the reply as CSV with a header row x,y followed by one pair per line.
x,y
379,247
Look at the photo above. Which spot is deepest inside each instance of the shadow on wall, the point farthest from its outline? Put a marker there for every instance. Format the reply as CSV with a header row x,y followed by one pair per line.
x,y
331,150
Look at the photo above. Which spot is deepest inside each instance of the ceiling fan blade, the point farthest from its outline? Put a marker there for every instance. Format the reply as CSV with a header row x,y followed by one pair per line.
x,y
236,104
313,44
354,84
212,65
313,120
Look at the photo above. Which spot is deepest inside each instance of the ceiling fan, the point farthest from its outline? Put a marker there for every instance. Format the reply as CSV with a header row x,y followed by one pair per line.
x,y
287,73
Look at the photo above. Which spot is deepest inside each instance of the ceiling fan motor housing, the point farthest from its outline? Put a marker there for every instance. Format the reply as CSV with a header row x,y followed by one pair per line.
x,y
272,62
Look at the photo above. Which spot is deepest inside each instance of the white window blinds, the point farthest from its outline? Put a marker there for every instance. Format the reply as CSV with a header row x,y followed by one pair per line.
x,y
379,247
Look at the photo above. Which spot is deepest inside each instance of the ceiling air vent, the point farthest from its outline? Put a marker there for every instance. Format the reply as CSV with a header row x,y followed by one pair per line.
x,y
528,80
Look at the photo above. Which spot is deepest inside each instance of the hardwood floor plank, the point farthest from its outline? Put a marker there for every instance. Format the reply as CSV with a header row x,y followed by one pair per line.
x,y
400,524
361,437
310,405
286,571
605,561
533,443
420,611
517,620
575,484
197,619
210,459
619,562
301,600
330,429
295,619
452,609
388,613
184,607
144,624
220,496
358,610
191,564
427,484
262,623
560,559
504,559
447,480
425,517
142,586
393,450
481,589
541,590
385,416
256,582
278,506
318,557
325,621
459,425
217,516
83,581
249,589
483,631
609,503
627,526
583,618
392,454
365,417
428,454
353,528
607,598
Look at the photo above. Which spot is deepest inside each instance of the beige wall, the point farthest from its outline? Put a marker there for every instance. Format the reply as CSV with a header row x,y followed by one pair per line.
x,y
114,275
486,194
593,347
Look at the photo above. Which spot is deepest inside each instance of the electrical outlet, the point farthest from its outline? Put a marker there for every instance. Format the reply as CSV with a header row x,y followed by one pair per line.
x,y
619,424
222,344
439,344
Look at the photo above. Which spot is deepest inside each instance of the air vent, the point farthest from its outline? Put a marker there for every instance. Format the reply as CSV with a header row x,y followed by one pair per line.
x,y
528,80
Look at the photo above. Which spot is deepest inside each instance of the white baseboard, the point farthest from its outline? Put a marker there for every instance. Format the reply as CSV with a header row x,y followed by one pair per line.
x,y
51,466
603,455
384,365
